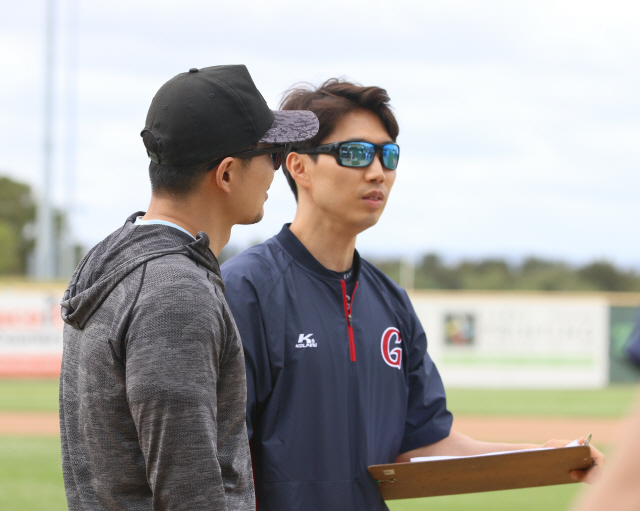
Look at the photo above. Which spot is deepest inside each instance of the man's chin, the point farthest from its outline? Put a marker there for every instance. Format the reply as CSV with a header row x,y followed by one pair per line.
x,y
368,222
255,220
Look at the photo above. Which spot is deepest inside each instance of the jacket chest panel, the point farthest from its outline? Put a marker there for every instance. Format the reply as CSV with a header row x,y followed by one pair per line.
x,y
317,337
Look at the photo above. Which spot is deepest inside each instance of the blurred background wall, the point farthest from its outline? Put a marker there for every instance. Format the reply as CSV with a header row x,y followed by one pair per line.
x,y
497,339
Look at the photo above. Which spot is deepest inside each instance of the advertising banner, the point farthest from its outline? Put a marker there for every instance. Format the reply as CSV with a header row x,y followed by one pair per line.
x,y
499,340
517,341
30,333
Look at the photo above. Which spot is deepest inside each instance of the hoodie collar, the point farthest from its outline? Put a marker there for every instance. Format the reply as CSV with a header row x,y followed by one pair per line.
x,y
121,253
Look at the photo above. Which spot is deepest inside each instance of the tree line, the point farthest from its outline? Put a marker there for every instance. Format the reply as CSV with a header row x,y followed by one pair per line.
x,y
533,273
17,225
18,208
17,241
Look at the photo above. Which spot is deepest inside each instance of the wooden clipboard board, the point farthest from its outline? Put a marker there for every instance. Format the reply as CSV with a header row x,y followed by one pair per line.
x,y
477,474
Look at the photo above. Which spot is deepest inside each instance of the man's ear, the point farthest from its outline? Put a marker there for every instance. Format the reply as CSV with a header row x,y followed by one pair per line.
x,y
222,174
298,166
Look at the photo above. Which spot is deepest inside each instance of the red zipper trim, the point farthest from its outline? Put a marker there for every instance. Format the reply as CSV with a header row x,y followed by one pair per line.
x,y
347,314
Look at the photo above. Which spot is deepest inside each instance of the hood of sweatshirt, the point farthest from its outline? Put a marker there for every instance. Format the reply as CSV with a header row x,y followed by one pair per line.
x,y
120,253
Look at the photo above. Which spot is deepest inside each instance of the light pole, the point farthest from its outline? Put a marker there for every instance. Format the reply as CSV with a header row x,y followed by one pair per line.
x,y
44,240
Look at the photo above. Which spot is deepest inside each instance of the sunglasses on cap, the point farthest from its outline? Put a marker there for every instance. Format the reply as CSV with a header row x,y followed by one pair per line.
x,y
276,153
358,153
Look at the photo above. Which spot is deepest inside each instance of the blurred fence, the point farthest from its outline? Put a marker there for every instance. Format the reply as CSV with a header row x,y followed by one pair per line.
x,y
478,339
528,340
30,330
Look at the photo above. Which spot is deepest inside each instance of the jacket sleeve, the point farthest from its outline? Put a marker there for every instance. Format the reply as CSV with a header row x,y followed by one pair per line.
x,y
428,419
247,309
173,350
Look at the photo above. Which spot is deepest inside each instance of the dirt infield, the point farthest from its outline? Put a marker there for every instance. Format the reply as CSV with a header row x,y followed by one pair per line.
x,y
537,429
492,429
32,424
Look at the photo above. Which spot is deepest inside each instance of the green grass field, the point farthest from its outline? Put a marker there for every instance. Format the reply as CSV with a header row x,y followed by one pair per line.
x,y
31,474
614,401
28,395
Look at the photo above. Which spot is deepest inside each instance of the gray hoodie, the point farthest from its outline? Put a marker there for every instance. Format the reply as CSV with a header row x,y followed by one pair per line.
x,y
152,389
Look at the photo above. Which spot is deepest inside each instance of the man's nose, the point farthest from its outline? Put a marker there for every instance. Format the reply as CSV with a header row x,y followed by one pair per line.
x,y
375,171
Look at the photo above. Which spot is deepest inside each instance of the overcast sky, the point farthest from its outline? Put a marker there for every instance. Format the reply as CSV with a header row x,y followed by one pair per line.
x,y
519,120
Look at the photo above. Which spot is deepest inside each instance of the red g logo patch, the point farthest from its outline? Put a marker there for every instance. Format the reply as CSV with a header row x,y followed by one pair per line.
x,y
393,357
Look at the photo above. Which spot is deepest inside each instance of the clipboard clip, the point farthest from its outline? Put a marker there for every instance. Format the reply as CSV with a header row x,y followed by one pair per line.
x,y
576,444
380,481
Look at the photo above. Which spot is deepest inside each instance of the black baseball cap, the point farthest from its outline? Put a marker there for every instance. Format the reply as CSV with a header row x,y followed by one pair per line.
x,y
209,113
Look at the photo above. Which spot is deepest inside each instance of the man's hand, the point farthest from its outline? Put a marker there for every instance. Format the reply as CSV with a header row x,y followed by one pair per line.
x,y
589,475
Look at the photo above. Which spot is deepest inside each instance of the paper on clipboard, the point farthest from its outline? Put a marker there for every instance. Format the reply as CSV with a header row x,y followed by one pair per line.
x,y
438,458
575,443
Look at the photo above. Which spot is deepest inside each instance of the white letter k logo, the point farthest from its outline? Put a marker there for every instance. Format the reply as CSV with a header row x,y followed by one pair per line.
x,y
304,338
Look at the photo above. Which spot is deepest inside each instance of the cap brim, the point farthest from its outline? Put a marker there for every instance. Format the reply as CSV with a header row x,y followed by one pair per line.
x,y
291,126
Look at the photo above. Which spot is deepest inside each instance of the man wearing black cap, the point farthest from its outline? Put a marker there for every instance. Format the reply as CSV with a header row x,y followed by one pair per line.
x,y
152,387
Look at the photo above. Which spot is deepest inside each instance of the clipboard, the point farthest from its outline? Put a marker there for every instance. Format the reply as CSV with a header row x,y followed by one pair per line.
x,y
506,471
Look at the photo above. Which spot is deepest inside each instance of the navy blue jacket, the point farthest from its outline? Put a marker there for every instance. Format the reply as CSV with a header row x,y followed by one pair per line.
x,y
332,388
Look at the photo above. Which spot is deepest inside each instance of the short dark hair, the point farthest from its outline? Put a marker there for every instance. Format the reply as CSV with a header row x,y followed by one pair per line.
x,y
331,101
172,179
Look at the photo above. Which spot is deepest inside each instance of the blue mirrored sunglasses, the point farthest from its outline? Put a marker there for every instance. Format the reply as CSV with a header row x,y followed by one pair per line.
x,y
357,153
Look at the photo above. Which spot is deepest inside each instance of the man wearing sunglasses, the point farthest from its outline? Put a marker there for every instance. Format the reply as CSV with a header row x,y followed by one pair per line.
x,y
336,370
338,377
152,388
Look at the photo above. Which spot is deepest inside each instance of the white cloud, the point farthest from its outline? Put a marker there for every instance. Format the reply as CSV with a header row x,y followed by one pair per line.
x,y
519,120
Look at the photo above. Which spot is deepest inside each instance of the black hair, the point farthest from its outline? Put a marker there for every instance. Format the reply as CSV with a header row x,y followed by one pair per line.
x,y
331,101
171,179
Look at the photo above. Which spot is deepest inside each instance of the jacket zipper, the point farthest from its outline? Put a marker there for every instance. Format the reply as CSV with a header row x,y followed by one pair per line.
x,y
347,312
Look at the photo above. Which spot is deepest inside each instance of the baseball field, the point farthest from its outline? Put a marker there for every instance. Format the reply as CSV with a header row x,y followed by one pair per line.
x,y
31,475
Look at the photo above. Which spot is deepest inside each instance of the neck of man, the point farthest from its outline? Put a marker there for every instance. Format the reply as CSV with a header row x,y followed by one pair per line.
x,y
328,239
194,213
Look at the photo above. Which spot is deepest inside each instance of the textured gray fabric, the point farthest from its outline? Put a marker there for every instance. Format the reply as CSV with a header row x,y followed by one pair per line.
x,y
153,388
291,126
